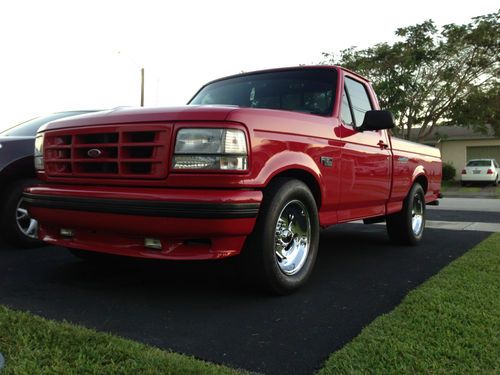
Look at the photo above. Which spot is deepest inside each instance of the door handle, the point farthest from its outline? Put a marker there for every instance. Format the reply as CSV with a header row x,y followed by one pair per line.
x,y
382,145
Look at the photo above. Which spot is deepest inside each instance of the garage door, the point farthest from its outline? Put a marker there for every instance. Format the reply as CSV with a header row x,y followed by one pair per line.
x,y
484,152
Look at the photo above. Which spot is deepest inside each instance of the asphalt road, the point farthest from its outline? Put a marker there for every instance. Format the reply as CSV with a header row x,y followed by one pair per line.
x,y
466,209
199,308
469,204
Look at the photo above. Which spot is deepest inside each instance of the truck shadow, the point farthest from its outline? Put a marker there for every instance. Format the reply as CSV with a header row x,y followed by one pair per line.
x,y
337,248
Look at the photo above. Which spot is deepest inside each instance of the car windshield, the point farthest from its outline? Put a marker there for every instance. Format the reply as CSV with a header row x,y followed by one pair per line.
x,y
30,127
300,90
479,163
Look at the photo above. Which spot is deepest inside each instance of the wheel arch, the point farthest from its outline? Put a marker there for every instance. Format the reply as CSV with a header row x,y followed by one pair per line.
x,y
420,176
18,169
304,175
422,180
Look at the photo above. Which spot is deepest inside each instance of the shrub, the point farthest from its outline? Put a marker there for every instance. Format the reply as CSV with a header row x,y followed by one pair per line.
x,y
449,172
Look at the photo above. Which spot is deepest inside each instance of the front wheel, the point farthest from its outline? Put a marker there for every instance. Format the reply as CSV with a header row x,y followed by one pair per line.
x,y
407,226
18,227
280,254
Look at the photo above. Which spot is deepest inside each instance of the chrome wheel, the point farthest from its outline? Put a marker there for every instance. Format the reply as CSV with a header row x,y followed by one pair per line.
x,y
417,215
26,224
292,237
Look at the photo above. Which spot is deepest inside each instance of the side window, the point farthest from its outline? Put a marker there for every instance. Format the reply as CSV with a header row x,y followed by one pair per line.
x,y
345,112
359,99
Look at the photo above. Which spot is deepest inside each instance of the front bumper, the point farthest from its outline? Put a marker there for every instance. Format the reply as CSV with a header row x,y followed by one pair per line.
x,y
478,177
189,224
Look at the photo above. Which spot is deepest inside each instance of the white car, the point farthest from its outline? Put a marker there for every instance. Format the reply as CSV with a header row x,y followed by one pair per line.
x,y
481,170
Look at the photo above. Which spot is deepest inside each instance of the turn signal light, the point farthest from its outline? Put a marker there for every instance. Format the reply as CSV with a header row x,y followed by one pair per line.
x,y
65,232
153,243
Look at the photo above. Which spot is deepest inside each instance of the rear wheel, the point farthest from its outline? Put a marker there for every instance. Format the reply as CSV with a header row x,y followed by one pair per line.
x,y
407,226
280,254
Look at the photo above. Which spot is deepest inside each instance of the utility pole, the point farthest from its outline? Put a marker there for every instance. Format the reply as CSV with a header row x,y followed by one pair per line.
x,y
142,87
142,74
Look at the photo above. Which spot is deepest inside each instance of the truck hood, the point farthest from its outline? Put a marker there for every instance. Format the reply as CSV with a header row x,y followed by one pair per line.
x,y
140,115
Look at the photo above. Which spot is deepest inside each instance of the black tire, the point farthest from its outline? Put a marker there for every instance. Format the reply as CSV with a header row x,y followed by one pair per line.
x,y
12,230
399,225
292,199
463,183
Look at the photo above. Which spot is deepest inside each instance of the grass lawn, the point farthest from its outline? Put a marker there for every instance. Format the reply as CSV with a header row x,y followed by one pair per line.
x,y
455,186
446,185
468,189
449,325
32,345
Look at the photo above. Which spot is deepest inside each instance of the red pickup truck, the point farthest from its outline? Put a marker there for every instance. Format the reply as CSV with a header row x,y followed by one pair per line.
x,y
253,166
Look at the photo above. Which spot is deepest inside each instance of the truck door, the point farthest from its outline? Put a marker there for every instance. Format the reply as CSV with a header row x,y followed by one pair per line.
x,y
365,157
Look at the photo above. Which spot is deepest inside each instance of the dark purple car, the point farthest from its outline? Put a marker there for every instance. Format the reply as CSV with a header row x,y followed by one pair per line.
x,y
16,173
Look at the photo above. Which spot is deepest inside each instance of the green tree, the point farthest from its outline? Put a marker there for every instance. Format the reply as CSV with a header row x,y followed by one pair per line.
x,y
480,107
432,76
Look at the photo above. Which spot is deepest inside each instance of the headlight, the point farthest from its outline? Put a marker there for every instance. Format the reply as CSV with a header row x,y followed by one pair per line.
x,y
210,148
39,151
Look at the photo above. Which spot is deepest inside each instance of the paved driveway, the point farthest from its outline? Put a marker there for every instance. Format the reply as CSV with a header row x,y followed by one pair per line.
x,y
197,308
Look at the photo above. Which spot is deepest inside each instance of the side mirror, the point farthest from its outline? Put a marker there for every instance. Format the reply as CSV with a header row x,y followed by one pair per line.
x,y
377,120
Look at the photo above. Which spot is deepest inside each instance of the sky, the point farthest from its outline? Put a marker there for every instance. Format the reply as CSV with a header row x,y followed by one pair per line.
x,y
69,55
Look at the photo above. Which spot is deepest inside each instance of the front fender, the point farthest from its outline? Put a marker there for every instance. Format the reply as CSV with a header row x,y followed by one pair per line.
x,y
22,167
287,161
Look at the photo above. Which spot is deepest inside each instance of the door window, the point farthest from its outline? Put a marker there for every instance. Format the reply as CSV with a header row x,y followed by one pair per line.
x,y
345,112
359,99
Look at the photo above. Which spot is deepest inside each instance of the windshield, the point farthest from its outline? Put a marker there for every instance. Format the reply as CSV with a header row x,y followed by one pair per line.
x,y
479,163
301,90
30,127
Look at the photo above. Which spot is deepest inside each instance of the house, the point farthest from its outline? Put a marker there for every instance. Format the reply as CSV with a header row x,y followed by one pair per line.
x,y
458,144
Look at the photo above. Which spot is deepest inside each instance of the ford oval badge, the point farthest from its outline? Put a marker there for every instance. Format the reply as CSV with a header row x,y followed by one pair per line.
x,y
94,153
